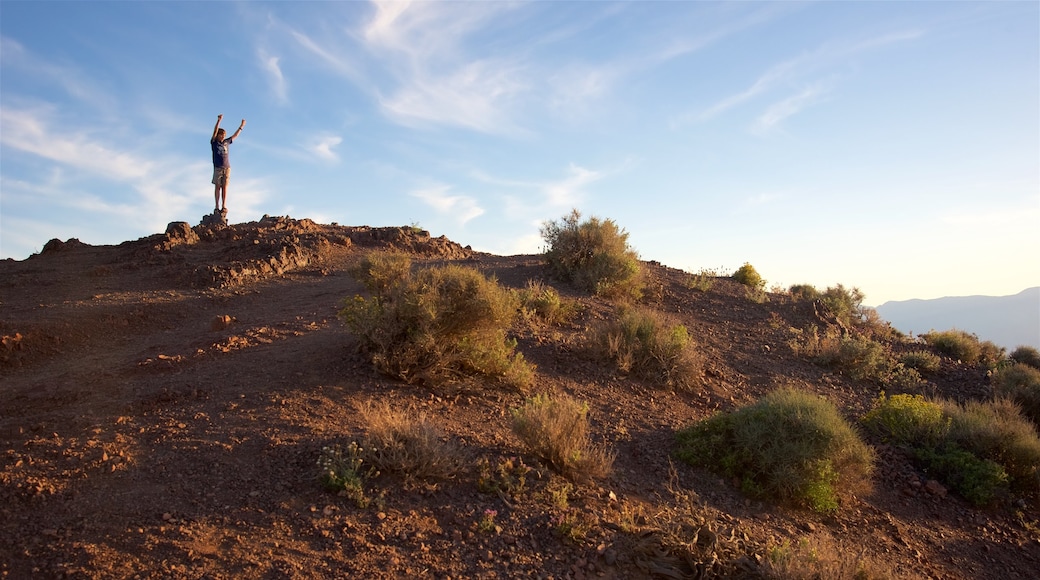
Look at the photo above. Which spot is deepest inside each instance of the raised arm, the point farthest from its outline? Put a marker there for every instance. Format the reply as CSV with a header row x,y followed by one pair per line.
x,y
216,127
235,136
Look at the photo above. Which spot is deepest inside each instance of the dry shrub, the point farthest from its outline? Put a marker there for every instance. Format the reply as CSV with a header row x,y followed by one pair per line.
x,y
381,270
965,347
820,556
556,430
859,357
804,293
541,302
1026,355
594,255
641,341
748,276
1020,383
440,326
405,442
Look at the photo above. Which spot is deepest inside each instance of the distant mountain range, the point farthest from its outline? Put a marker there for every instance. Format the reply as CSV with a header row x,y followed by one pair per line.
x,y
1009,321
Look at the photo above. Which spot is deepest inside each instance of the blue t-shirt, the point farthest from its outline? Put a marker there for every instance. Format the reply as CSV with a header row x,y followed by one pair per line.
x,y
220,152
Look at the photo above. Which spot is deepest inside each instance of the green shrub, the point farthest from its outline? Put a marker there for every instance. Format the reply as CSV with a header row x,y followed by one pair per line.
x,y
965,347
921,360
556,430
844,304
593,255
977,480
790,446
997,431
381,270
640,341
542,302
908,420
1026,355
804,292
438,326
748,276
1020,383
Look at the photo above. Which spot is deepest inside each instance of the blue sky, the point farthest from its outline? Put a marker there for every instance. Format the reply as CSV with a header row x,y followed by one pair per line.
x,y
892,146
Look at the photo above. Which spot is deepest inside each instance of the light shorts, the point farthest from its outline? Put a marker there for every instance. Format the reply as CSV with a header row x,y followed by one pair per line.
x,y
220,175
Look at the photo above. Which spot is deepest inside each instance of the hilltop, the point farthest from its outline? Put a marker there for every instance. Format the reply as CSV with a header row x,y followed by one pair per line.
x,y
165,402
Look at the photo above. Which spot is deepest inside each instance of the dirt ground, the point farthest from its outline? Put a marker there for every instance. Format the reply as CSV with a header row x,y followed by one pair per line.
x,y
165,401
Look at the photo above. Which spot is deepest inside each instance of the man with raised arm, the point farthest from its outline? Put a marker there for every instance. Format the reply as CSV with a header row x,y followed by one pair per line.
x,y
221,163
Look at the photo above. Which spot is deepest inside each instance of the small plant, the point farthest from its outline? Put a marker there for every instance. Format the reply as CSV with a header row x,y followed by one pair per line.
x,y
1026,355
542,302
556,430
487,524
790,446
756,295
340,470
845,304
978,480
593,255
642,342
921,360
508,477
1020,383
702,281
408,444
860,357
748,276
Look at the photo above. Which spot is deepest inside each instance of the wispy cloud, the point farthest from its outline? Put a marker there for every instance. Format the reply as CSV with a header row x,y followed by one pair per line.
x,y
322,148
791,73
279,86
461,207
790,106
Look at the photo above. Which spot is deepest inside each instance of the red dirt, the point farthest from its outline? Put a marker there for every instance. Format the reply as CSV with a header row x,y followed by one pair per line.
x,y
165,402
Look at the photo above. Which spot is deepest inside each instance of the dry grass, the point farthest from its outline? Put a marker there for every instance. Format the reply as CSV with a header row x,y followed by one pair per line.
x,y
405,442
817,557
643,342
556,429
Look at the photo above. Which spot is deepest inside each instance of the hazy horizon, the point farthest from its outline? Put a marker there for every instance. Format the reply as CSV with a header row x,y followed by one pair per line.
x,y
894,147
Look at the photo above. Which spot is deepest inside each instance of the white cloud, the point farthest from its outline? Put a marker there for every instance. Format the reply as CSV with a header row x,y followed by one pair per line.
x,y
790,106
274,73
567,192
461,207
323,147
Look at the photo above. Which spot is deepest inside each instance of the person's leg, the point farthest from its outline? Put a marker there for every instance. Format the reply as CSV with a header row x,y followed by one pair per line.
x,y
223,196
216,197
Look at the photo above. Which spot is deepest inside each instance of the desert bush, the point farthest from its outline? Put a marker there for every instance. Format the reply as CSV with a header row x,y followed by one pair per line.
x,y
380,270
844,304
997,431
508,477
819,557
556,430
593,255
908,420
405,442
804,292
921,360
1020,383
438,326
860,357
965,347
748,276
978,480
1026,355
642,342
542,302
791,446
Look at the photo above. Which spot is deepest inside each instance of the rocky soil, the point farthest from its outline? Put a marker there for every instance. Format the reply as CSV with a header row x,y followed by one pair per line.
x,y
164,403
